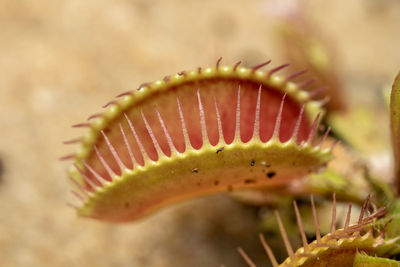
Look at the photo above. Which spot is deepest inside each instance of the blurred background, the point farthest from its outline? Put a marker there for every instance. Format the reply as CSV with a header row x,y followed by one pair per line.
x,y
61,60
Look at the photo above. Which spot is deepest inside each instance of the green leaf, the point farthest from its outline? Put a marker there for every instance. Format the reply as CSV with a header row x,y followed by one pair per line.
x,y
363,260
395,127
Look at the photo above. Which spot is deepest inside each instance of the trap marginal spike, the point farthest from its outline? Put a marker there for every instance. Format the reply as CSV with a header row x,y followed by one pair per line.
x,y
321,142
316,223
97,115
112,102
146,156
306,83
333,222
274,70
73,206
317,91
346,225
67,157
324,101
86,179
295,75
269,252
125,93
363,208
81,125
82,189
246,258
78,196
300,225
72,141
218,63
285,238
311,136
236,65
259,66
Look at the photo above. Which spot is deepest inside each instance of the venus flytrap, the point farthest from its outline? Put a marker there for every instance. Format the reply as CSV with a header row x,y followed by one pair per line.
x,y
198,132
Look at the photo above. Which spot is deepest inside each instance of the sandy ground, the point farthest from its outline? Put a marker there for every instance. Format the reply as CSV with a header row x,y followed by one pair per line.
x,y
60,60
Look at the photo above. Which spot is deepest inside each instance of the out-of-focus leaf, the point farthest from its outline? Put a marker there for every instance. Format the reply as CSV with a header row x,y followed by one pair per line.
x,y
395,127
361,128
364,260
393,228
305,47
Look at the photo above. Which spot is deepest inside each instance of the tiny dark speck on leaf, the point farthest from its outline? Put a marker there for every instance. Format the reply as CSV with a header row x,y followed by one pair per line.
x,y
220,149
270,174
252,162
216,182
195,170
230,188
250,181
127,205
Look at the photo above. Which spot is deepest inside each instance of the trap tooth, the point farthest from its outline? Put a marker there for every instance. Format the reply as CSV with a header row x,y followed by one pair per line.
x,y
339,246
196,133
